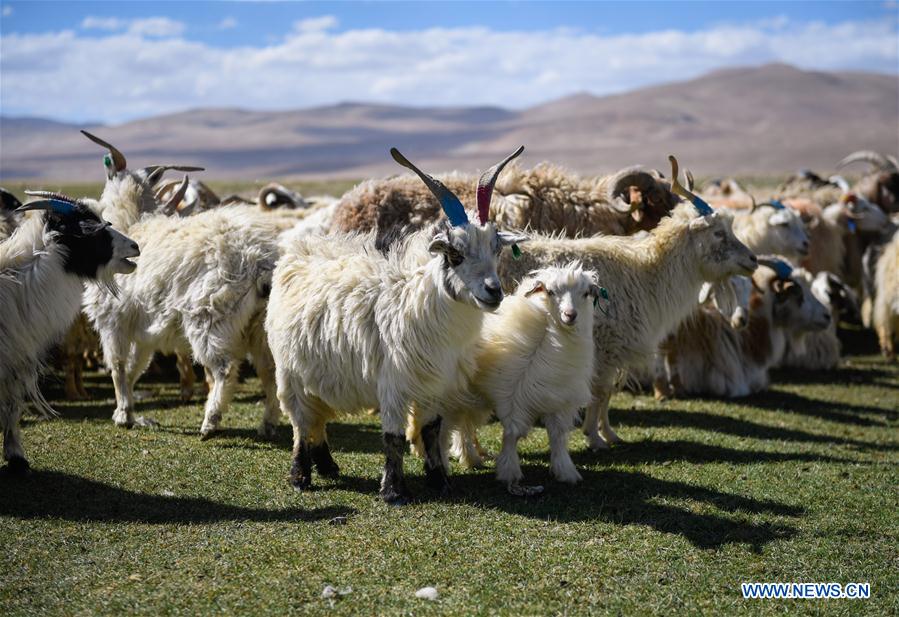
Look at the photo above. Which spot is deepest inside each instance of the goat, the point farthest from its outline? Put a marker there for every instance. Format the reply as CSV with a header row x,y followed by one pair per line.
x,y
42,269
712,358
201,290
534,360
351,328
653,282
881,186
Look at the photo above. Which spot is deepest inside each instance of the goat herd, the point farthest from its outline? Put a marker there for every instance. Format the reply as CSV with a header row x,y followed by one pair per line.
x,y
392,298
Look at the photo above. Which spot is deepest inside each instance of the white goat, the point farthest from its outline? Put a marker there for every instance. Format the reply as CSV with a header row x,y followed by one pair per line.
x,y
653,284
353,329
821,350
886,302
42,269
534,362
201,289
714,359
772,228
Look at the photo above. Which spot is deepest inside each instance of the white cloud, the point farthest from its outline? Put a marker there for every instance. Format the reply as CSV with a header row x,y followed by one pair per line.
x,y
131,72
7,10
103,23
148,26
156,26
227,23
316,24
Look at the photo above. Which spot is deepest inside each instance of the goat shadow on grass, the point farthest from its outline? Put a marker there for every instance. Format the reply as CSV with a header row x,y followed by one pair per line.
x,y
635,498
42,494
846,375
789,402
342,437
658,451
671,417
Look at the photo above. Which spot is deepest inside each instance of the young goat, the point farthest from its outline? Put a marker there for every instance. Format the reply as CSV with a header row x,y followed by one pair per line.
x,y
351,329
42,269
534,362
653,284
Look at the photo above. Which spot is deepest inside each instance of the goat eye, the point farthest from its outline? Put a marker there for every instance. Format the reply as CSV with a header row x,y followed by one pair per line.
x,y
719,234
550,292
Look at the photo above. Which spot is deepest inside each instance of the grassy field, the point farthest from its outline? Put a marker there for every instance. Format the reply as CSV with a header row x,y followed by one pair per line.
x,y
797,484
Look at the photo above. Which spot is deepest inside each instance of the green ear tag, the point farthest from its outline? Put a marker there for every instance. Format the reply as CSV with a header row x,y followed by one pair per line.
x,y
107,160
516,252
605,296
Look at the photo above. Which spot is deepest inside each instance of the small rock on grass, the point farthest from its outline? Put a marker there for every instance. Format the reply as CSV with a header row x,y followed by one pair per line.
x,y
427,593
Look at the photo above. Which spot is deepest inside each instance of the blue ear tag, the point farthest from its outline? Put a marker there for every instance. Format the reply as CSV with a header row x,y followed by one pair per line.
x,y
516,252
852,226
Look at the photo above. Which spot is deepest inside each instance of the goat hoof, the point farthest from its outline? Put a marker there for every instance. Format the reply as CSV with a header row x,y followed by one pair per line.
x,y
18,466
267,430
396,498
597,445
521,490
327,470
301,483
323,461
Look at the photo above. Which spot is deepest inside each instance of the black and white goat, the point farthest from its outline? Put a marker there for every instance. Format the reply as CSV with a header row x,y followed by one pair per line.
x,y
42,269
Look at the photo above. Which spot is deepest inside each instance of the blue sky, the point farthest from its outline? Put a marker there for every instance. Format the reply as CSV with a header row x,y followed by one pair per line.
x,y
69,60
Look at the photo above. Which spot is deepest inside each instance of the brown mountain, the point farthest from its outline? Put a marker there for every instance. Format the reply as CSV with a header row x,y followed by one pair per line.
x,y
773,118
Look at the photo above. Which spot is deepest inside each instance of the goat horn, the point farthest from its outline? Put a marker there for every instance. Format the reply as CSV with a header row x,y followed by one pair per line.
x,y
283,193
56,202
620,205
688,176
172,204
451,205
782,269
153,173
166,186
8,201
869,156
486,183
117,157
676,187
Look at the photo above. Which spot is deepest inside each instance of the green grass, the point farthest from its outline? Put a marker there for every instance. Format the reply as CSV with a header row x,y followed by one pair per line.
x,y
796,484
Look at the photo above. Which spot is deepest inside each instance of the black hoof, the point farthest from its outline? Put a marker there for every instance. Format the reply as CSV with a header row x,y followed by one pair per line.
x,y
396,498
18,466
437,480
301,483
324,463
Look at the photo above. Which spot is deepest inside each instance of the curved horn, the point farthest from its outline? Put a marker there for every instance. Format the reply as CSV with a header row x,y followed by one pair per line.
x,y
676,187
8,201
688,176
486,183
117,157
624,178
868,156
153,173
171,206
782,269
774,203
165,187
55,202
451,205
282,194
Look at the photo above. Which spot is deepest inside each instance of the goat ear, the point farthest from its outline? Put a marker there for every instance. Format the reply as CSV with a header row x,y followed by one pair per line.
x,y
508,237
781,217
439,244
595,291
536,285
700,223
